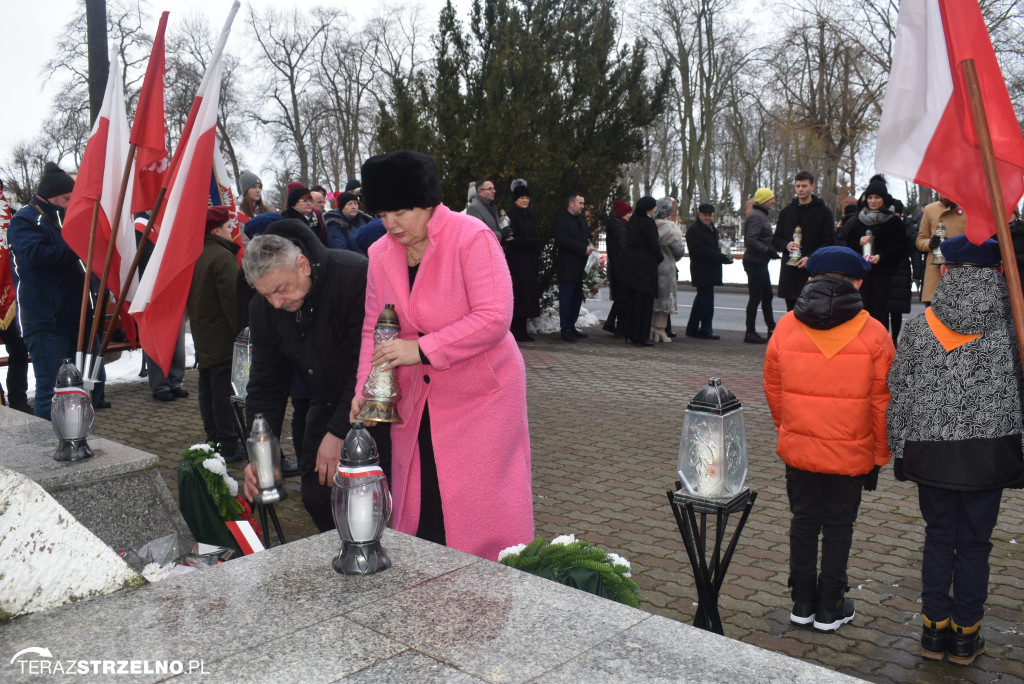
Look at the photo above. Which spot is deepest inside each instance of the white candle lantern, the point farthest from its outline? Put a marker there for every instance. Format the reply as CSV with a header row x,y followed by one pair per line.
x,y
713,449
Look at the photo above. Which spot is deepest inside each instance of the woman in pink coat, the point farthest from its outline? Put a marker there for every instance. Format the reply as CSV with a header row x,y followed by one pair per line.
x,y
460,472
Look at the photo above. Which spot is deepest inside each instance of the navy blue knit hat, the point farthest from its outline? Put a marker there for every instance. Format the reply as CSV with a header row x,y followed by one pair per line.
x,y
960,250
836,259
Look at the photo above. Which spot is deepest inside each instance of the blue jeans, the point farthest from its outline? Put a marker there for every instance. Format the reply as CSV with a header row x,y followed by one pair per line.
x,y
48,350
570,299
702,311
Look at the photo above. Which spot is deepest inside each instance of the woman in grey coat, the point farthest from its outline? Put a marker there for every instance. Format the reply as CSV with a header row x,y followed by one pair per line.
x,y
673,247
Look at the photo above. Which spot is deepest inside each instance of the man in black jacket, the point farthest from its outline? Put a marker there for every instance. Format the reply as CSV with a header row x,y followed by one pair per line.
x,y
817,228
572,238
706,259
308,320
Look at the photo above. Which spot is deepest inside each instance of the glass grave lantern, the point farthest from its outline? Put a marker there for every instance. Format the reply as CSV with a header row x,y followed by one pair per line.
x,y
265,456
71,414
361,504
241,360
713,449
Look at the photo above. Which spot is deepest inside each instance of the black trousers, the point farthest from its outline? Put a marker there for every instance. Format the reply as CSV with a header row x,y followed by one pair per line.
x,y
702,311
824,505
431,524
616,320
638,316
17,368
215,407
957,544
759,291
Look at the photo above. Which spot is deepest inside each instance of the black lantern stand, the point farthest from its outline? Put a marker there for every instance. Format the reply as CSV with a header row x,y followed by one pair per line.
x,y
709,576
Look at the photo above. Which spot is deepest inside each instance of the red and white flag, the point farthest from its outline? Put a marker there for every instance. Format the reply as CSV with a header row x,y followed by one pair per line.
x,y
927,131
159,303
149,130
99,180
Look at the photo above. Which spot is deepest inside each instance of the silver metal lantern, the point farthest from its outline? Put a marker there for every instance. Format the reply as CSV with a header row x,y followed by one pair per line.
x,y
71,414
241,360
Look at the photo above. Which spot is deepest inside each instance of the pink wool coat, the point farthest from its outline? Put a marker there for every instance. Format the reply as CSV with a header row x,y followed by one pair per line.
x,y
459,309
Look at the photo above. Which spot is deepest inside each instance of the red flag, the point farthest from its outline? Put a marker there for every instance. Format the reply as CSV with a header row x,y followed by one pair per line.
x,y
149,130
159,304
7,293
99,180
927,132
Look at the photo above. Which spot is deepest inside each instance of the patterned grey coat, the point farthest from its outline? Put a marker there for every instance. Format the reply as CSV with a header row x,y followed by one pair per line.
x,y
955,417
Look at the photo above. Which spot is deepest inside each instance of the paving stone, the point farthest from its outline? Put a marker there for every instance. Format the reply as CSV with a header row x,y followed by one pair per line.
x,y
605,426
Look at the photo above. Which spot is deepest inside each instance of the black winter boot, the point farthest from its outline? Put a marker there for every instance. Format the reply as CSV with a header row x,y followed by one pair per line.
x,y
965,643
834,610
934,638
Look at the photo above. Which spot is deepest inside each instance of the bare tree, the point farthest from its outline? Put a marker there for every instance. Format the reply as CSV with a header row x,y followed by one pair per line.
x,y
696,41
189,49
288,44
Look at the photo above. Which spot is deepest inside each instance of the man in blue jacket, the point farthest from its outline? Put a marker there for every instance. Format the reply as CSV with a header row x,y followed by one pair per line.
x,y
49,279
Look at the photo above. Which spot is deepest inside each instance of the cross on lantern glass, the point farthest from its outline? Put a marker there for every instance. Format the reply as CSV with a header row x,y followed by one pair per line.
x,y
713,448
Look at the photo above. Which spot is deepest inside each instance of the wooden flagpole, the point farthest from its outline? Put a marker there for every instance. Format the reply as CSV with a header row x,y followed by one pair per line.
x,y
101,298
131,271
995,198
80,349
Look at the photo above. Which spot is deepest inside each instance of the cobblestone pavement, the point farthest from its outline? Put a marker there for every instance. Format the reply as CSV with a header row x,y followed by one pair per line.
x,y
605,424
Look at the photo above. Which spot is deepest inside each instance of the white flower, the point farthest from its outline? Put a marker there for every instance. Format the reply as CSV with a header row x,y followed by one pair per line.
x,y
564,539
616,559
201,447
511,551
155,572
218,466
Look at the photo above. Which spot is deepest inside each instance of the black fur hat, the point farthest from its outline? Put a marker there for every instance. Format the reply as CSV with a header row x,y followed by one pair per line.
x,y
400,180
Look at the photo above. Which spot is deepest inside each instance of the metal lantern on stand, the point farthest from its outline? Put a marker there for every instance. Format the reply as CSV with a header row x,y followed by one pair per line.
x,y
241,360
361,504
712,468
713,448
71,414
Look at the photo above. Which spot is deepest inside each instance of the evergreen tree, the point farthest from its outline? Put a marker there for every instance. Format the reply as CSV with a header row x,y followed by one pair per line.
x,y
534,89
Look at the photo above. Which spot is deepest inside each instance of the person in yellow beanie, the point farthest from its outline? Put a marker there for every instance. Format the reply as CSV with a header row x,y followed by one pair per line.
x,y
758,251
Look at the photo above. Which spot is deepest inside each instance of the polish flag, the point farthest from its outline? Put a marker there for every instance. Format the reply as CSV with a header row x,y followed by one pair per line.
x,y
149,130
927,131
159,303
99,180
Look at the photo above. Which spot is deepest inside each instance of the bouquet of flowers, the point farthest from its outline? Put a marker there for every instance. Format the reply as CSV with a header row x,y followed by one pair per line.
x,y
575,563
222,488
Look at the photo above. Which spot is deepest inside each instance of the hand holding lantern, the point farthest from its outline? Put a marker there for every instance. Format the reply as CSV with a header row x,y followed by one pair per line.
x,y
265,456
381,388
796,254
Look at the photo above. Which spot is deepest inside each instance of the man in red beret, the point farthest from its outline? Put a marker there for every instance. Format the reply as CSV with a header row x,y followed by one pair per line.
x,y
213,317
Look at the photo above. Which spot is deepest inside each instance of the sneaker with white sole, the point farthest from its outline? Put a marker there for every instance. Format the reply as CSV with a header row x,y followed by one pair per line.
x,y
834,614
802,613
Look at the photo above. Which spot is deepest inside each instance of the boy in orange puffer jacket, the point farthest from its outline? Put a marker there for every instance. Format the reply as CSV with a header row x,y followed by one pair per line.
x,y
825,380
